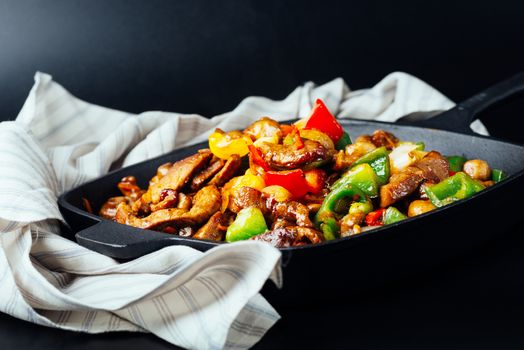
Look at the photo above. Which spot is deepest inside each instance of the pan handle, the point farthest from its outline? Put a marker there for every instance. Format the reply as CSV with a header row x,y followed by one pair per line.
x,y
459,118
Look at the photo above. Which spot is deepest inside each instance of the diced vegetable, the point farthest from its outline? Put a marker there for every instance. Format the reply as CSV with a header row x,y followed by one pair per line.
x,y
343,142
378,159
256,157
279,193
458,186
375,218
322,120
456,163
404,155
315,179
225,145
292,180
363,177
325,219
498,175
319,136
393,215
248,223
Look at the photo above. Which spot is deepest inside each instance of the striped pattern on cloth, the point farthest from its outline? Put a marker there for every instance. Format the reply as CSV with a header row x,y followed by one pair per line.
x,y
189,298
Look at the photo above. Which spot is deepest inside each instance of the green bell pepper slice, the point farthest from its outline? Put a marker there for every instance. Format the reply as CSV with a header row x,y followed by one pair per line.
x,y
326,217
362,176
393,215
456,163
498,175
378,159
343,142
248,223
454,188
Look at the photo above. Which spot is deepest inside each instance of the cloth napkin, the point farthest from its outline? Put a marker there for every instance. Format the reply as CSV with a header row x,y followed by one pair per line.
x,y
192,299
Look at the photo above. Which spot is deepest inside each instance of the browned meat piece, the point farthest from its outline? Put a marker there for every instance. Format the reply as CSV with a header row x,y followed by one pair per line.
x,y
184,201
129,188
205,203
168,199
245,197
433,167
292,211
227,172
281,223
383,138
214,229
265,127
284,237
177,176
200,179
282,157
161,171
279,238
400,185
108,210
345,158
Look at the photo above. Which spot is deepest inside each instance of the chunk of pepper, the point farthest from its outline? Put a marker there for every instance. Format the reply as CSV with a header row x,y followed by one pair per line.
x,y
378,159
326,217
248,223
322,120
363,177
454,188
456,163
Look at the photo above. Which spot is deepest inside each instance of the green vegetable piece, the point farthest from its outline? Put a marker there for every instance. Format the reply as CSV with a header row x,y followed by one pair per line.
x,y
456,163
393,215
248,223
454,188
362,176
330,229
378,159
498,175
343,142
326,217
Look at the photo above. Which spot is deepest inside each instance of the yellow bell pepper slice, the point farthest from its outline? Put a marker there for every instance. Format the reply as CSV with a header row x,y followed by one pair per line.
x,y
224,145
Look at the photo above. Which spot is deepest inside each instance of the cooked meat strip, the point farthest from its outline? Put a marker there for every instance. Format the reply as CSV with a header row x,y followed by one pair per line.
x,y
129,188
184,201
383,138
205,203
108,210
282,157
433,167
227,171
161,171
177,176
245,197
168,199
284,237
279,238
200,179
281,223
264,127
292,211
214,229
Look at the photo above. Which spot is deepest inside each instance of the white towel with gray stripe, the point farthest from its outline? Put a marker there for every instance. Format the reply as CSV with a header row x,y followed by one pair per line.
x,y
192,299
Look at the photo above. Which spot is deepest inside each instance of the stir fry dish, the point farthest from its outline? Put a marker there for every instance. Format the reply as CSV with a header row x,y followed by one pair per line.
x,y
297,184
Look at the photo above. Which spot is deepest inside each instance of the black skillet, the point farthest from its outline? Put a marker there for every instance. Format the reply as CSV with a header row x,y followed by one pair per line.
x,y
328,271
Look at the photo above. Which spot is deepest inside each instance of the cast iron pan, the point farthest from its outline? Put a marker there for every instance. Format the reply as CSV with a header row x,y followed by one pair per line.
x,y
328,271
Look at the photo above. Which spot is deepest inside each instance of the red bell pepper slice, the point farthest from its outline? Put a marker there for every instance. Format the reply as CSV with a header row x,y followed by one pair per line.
x,y
292,180
257,158
375,218
321,119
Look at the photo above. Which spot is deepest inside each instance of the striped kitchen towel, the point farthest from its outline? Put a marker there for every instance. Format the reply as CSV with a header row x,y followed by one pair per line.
x,y
189,298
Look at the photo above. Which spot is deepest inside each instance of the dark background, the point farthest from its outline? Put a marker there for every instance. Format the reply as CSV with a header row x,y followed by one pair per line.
x,y
205,56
